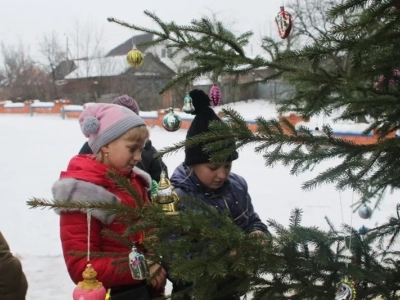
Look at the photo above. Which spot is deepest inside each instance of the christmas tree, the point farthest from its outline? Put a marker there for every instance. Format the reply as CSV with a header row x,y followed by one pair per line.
x,y
351,68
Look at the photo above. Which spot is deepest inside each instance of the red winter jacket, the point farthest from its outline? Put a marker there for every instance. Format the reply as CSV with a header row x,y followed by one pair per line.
x,y
85,180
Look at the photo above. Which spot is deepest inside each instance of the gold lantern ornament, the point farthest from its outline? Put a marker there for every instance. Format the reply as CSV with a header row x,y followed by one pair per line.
x,y
135,58
165,197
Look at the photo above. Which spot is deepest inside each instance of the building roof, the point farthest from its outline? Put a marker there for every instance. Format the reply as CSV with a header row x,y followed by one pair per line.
x,y
98,67
126,46
117,65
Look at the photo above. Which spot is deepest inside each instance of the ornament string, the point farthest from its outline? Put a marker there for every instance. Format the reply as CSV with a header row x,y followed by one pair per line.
x,y
89,219
134,43
351,221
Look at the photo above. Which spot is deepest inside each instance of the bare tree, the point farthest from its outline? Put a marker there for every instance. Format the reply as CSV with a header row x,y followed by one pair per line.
x,y
51,50
87,49
24,78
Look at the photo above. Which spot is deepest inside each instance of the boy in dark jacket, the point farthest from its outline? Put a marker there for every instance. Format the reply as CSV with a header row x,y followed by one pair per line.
x,y
13,284
150,164
213,183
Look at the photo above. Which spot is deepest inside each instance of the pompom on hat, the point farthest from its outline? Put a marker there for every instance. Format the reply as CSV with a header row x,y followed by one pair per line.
x,y
204,114
103,123
128,102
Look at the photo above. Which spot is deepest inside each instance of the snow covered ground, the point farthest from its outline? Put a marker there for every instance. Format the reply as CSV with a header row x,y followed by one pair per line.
x,y
35,150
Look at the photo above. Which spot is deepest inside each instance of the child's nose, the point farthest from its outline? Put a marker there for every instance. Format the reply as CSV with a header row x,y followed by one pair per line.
x,y
137,156
222,174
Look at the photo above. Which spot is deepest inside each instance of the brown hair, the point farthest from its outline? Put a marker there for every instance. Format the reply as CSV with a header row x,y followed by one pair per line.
x,y
138,134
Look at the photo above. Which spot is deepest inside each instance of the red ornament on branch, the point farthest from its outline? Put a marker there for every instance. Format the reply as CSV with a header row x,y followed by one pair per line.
x,y
284,22
215,95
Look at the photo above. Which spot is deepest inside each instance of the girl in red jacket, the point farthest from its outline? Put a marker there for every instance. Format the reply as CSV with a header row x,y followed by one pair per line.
x,y
117,137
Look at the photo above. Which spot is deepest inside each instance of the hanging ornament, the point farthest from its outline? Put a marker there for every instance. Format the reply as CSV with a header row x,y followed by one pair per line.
x,y
318,133
284,22
171,121
365,212
345,290
363,230
393,80
134,58
138,265
89,288
188,104
215,95
154,187
166,198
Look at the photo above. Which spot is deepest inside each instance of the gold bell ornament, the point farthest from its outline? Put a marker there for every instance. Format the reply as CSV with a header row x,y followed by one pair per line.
x,y
165,197
135,58
90,288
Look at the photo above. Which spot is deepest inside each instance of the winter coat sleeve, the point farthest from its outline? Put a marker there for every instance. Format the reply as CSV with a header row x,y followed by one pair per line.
x,y
85,149
74,237
254,222
13,284
156,166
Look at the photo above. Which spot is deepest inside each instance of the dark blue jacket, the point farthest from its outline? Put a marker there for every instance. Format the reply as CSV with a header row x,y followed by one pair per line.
x,y
232,196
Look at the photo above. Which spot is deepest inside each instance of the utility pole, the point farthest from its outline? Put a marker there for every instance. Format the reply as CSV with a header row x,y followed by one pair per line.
x,y
67,46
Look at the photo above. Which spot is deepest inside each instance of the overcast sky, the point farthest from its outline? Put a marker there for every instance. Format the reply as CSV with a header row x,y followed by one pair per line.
x,y
28,20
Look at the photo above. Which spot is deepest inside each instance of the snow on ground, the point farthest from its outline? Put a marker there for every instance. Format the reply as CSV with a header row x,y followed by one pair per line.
x,y
35,150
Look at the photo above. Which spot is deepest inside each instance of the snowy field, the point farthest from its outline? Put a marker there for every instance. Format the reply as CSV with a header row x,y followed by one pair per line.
x,y
36,149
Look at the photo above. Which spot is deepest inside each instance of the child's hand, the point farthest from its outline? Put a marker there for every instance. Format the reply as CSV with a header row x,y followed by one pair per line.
x,y
159,280
261,236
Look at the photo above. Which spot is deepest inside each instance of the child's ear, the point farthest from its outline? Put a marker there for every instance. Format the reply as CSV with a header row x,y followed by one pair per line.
x,y
105,149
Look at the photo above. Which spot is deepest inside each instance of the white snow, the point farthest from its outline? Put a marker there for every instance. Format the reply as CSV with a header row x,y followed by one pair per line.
x,y
251,109
14,105
35,150
148,114
202,80
72,107
42,104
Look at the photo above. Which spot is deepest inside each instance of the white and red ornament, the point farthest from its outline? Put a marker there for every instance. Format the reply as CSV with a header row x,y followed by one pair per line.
x,y
138,265
215,95
284,22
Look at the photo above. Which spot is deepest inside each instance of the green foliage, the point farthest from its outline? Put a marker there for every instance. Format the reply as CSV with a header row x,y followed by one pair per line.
x,y
201,246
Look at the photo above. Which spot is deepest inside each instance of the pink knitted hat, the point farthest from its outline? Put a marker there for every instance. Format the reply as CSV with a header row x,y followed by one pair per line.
x,y
128,102
103,123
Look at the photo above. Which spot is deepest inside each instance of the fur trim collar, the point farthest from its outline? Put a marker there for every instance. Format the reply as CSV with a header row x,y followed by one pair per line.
x,y
74,190
144,175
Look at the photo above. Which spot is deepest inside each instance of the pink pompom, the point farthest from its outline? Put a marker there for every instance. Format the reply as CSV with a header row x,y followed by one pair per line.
x,y
215,95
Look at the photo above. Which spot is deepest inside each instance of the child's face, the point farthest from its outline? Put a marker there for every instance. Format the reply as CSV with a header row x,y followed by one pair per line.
x,y
213,175
123,154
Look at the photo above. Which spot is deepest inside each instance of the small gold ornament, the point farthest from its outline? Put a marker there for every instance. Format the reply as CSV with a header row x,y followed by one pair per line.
x,y
134,58
165,196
